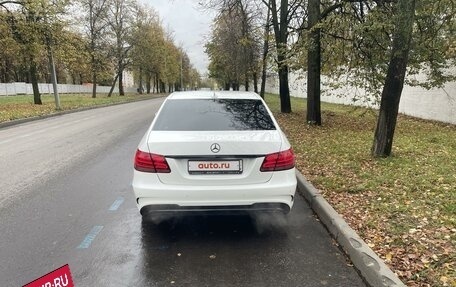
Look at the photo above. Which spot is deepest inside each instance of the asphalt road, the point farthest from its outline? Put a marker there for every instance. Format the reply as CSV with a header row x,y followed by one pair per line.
x,y
65,198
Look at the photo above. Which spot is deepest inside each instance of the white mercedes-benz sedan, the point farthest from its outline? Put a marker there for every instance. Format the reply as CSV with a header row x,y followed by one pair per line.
x,y
214,152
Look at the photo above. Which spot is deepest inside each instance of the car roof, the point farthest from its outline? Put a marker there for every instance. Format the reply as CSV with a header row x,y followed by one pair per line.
x,y
214,94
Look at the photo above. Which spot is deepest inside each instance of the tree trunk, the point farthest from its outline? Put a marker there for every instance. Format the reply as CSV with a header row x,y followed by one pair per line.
x,y
148,79
281,36
4,72
313,65
285,104
34,80
156,83
94,86
140,82
113,86
121,86
255,82
394,82
94,77
7,70
236,86
265,53
53,73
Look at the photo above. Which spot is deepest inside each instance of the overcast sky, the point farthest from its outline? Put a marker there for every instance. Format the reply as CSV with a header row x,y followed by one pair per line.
x,y
190,26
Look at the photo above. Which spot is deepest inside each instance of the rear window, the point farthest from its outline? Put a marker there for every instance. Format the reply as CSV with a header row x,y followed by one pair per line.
x,y
213,115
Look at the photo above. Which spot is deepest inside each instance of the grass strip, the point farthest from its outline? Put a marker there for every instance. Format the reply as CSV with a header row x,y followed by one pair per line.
x,y
20,107
403,206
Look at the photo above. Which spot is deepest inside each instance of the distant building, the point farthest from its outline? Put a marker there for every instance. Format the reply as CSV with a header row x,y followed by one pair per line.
x,y
128,80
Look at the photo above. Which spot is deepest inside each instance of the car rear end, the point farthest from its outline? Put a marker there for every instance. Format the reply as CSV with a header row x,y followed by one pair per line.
x,y
208,152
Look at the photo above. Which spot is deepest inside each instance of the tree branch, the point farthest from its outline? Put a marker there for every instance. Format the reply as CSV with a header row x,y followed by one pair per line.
x,y
332,8
337,36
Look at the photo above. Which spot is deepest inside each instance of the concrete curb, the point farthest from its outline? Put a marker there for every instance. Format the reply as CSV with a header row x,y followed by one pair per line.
x,y
371,267
31,119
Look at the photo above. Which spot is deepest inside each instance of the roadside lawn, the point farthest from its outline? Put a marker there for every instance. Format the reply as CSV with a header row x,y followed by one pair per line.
x,y
404,206
19,107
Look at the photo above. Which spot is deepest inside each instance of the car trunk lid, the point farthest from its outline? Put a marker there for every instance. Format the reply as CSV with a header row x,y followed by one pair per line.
x,y
213,158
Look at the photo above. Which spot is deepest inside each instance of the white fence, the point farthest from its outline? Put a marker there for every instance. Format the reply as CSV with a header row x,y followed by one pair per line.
x,y
18,88
434,104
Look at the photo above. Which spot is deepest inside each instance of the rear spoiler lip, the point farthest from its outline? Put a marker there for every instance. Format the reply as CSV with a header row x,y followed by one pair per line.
x,y
218,156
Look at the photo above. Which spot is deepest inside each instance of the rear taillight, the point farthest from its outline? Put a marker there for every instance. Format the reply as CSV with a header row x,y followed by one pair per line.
x,y
278,161
149,162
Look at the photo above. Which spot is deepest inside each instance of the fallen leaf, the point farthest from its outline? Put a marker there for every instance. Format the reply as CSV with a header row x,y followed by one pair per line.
x,y
389,256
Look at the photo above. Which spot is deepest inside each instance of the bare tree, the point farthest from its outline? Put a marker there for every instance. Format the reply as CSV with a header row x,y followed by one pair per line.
x,y
235,48
95,24
120,16
264,59
280,17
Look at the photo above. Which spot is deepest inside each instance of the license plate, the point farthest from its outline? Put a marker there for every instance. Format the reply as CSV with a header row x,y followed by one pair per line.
x,y
215,166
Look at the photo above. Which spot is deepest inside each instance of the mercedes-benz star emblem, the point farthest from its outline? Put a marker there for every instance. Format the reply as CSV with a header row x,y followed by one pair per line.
x,y
215,148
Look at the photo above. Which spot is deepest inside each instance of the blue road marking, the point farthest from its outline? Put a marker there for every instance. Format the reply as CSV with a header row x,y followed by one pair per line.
x,y
116,203
161,247
90,237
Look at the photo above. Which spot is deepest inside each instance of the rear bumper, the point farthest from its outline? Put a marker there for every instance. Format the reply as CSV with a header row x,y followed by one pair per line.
x,y
169,209
154,197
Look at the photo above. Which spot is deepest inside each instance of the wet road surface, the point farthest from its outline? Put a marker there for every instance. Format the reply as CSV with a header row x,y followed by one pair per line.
x,y
80,210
